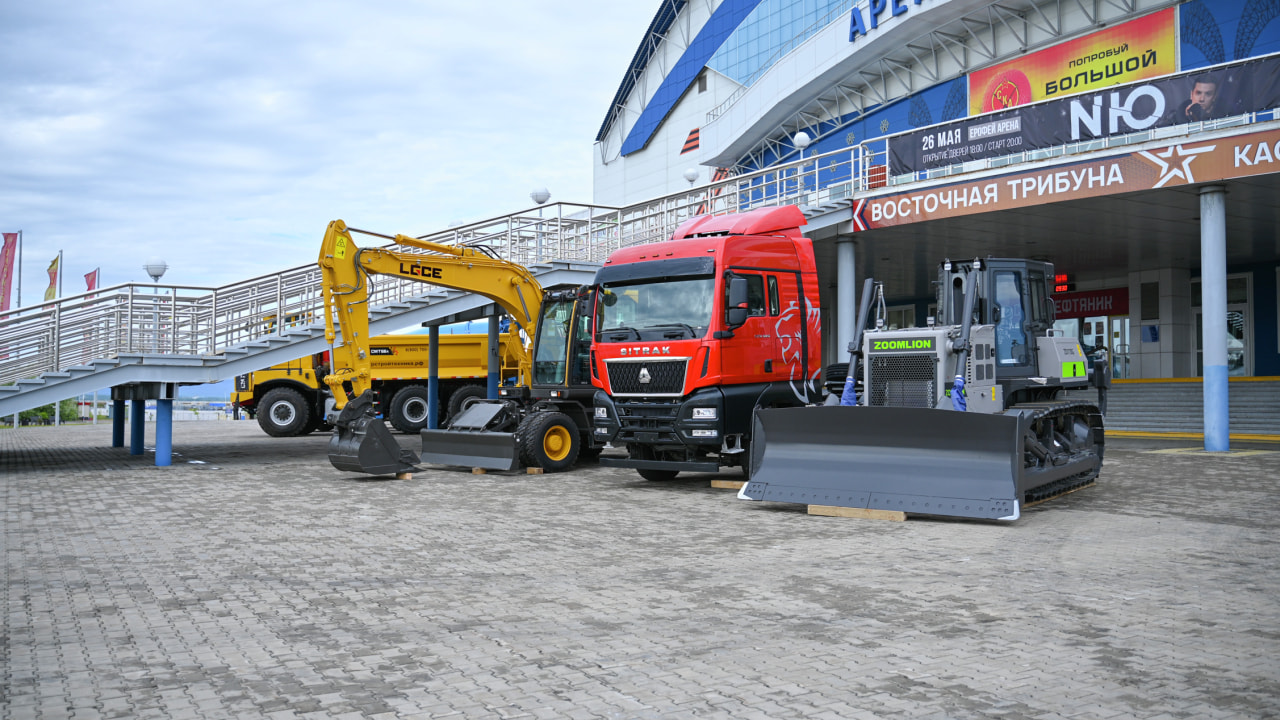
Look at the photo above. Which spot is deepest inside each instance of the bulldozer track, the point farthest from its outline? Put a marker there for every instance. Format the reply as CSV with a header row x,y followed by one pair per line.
x,y
1052,410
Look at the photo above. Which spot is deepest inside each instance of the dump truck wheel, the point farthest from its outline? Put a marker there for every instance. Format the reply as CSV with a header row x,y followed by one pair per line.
x,y
408,412
464,397
658,475
283,413
549,440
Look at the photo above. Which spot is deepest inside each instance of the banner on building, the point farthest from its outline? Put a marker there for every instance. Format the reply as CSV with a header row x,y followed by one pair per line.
x,y
51,292
7,255
1091,303
1186,163
1236,89
1136,50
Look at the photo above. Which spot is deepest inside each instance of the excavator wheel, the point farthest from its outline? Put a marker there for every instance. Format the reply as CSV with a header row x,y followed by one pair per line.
x,y
284,413
408,412
549,440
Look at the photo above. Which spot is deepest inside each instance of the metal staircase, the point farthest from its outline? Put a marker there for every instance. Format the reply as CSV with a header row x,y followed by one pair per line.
x,y
131,333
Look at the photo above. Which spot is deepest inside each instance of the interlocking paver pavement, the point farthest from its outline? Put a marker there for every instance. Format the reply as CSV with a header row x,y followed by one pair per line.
x,y
251,579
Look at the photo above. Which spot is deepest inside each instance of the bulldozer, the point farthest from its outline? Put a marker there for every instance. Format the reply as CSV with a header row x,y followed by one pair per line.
x,y
542,421
972,416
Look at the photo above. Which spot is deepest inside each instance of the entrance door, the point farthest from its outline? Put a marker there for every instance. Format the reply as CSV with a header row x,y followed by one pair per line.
x,y
1239,327
1120,346
1239,354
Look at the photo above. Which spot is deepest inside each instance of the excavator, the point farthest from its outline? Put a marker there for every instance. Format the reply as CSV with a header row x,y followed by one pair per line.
x,y
544,421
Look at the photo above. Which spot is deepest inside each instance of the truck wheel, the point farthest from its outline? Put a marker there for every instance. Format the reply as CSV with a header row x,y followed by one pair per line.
x,y
548,440
283,413
658,475
463,398
409,409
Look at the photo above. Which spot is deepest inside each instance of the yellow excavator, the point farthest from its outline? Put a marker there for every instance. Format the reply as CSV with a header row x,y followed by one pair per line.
x,y
543,422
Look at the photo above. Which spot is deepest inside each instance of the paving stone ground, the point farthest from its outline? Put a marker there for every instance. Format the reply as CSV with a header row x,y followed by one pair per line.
x,y
251,579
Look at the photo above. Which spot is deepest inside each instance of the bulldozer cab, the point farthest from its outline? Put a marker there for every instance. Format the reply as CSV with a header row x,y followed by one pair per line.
x,y
1013,296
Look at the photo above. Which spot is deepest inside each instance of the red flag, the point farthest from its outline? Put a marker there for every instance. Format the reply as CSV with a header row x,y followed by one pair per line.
x,y
91,280
7,256
51,292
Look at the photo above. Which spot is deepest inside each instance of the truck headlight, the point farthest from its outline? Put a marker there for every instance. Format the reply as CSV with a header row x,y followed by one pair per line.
x,y
704,413
602,413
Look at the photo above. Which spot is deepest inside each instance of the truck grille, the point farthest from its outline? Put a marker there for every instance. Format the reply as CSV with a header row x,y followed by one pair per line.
x,y
903,381
666,377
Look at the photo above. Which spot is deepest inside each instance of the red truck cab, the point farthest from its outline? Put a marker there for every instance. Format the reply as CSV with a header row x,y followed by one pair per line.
x,y
694,333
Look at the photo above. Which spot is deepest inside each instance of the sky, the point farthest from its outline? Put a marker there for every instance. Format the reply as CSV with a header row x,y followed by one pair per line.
x,y
223,137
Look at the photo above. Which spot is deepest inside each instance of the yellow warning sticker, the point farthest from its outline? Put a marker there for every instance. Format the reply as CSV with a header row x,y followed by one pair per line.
x,y
340,248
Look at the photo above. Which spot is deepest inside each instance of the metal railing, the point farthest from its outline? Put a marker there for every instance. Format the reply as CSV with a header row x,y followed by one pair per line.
x,y
203,321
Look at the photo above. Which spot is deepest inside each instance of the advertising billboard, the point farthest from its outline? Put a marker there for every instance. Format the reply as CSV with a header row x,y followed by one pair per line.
x,y
1251,86
1131,51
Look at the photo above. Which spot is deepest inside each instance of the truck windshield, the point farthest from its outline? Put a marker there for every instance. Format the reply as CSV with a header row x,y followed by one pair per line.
x,y
655,310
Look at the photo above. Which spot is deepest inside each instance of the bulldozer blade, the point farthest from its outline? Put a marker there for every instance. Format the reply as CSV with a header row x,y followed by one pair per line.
x,y
362,443
921,461
467,448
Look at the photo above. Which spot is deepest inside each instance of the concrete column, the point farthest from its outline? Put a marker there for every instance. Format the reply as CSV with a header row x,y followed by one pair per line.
x,y
117,423
1213,305
137,425
433,378
846,298
164,433
495,362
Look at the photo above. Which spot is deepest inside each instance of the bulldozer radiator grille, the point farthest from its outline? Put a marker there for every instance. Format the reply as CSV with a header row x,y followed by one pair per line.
x,y
903,381
660,377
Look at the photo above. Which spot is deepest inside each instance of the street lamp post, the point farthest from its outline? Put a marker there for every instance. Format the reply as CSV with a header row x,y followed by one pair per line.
x,y
156,267
801,141
539,196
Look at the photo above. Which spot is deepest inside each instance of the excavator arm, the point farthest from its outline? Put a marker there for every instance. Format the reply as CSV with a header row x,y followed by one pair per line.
x,y
345,270
361,442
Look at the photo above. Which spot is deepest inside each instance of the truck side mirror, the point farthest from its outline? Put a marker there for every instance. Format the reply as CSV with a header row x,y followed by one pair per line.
x,y
737,315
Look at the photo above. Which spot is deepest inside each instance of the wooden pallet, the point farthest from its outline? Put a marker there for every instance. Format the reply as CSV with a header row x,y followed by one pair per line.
x,y
728,484
860,513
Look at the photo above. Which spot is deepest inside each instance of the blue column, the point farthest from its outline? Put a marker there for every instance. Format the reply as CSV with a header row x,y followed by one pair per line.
x,y
433,378
164,433
137,425
495,363
1213,306
117,423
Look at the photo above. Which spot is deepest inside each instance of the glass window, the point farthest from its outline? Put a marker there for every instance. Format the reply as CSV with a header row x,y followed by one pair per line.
x,y
755,295
553,343
656,310
774,305
1011,336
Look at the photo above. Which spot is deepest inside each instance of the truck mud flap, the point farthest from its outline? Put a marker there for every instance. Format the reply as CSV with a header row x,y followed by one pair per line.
x,y
467,443
362,443
922,461
471,448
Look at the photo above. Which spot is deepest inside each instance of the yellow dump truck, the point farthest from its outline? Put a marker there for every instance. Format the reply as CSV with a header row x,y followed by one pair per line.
x,y
289,399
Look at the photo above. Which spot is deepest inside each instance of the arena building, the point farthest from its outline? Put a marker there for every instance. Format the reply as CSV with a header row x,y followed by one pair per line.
x,y
1092,133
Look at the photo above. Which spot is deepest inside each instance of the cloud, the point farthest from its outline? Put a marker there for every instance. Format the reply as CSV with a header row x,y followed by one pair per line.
x,y
224,137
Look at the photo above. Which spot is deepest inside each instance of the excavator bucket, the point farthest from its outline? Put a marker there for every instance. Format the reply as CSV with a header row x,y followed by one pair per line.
x,y
468,443
921,461
362,443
